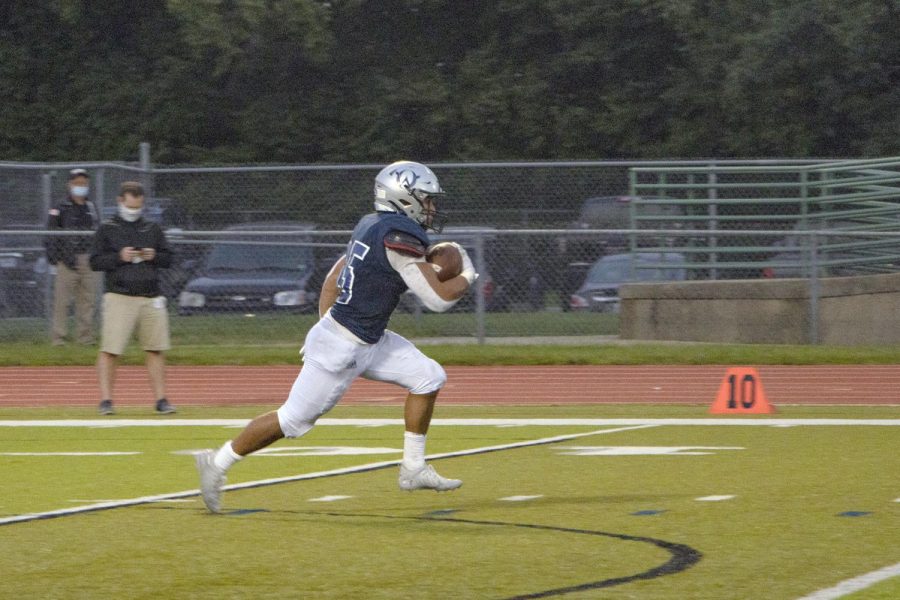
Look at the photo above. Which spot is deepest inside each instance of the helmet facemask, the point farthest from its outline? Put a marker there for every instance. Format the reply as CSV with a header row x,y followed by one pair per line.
x,y
429,217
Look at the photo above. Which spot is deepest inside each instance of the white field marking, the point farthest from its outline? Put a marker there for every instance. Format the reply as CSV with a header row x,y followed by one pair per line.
x,y
279,451
642,450
850,586
710,422
897,500
69,453
329,498
79,501
324,451
714,498
306,476
521,498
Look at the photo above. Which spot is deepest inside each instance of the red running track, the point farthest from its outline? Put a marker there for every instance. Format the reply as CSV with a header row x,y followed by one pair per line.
x,y
234,385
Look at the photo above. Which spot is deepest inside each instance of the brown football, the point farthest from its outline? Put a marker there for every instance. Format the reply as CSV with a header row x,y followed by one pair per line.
x,y
446,260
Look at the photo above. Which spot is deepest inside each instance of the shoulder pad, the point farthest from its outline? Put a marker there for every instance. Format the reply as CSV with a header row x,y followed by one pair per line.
x,y
404,243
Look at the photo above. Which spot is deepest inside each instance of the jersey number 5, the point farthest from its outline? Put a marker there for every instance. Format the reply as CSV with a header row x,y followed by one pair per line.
x,y
358,252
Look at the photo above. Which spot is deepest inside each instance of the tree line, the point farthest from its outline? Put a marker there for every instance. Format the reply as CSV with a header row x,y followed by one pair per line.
x,y
307,81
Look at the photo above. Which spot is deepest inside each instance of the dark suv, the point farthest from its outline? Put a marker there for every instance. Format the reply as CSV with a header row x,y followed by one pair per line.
x,y
600,289
255,272
578,252
24,273
614,212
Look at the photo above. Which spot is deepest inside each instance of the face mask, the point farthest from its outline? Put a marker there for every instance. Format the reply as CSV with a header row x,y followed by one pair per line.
x,y
80,190
130,214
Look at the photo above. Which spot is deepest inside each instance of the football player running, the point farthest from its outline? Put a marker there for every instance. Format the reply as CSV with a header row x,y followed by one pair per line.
x,y
385,256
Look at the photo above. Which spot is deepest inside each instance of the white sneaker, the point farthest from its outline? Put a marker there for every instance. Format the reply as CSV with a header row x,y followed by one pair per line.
x,y
212,478
425,478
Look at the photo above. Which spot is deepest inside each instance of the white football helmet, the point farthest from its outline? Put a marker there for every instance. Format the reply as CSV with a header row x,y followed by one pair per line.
x,y
404,187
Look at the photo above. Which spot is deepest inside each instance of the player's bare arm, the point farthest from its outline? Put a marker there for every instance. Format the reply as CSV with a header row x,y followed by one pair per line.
x,y
407,255
330,290
422,279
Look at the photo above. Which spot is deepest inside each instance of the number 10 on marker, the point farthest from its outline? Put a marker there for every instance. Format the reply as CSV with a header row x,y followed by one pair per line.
x,y
741,391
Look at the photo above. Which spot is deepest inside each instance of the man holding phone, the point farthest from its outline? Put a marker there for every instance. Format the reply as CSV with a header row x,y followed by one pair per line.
x,y
130,251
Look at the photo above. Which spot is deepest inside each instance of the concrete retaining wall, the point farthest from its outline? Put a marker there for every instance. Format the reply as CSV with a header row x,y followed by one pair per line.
x,y
851,311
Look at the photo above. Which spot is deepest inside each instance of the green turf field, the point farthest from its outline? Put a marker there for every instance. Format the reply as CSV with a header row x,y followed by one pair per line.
x,y
635,509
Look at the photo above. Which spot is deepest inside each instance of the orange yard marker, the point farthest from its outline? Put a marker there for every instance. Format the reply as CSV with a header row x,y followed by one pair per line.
x,y
741,392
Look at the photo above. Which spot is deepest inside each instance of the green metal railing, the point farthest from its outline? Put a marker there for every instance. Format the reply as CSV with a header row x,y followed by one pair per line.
x,y
846,202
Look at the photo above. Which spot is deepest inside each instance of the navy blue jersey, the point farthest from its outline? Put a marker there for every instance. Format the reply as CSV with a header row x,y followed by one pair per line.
x,y
370,288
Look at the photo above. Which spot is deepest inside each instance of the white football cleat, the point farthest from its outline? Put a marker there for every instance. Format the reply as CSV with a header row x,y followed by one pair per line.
x,y
425,478
212,478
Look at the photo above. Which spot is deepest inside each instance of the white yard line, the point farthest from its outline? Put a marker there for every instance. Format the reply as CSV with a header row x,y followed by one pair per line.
x,y
317,475
329,498
711,422
69,453
851,586
521,498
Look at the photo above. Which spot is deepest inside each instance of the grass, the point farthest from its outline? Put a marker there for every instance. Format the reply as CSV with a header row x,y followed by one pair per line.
x,y
276,339
781,535
282,328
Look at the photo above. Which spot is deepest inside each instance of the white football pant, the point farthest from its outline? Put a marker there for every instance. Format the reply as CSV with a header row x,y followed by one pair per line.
x,y
331,362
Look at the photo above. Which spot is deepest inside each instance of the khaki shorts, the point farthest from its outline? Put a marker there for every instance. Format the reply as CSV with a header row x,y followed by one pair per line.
x,y
121,314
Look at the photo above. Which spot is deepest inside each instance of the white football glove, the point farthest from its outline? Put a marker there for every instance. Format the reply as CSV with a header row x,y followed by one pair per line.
x,y
468,270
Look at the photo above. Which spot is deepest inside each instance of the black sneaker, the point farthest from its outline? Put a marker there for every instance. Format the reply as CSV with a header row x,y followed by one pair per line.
x,y
163,407
106,407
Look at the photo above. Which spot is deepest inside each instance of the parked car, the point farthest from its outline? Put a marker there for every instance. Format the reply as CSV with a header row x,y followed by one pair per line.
x,y
600,289
614,212
252,273
839,253
24,272
572,254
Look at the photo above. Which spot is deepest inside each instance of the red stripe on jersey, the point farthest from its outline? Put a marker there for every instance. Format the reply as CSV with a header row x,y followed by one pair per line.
x,y
404,243
402,248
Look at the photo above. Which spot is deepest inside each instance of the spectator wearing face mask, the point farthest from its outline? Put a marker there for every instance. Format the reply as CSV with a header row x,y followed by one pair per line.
x,y
75,281
131,250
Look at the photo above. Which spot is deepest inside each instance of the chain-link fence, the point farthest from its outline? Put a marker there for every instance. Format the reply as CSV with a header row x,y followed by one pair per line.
x,y
553,241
